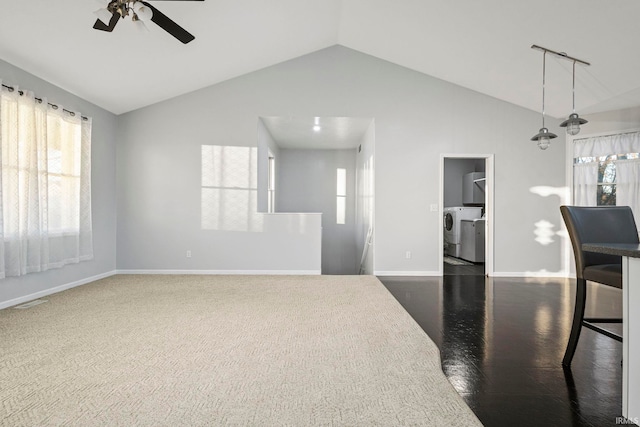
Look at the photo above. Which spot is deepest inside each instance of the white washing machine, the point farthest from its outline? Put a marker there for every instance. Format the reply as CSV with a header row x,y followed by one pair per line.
x,y
452,218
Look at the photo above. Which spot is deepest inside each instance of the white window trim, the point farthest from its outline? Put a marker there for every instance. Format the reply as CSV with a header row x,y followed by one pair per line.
x,y
568,263
569,155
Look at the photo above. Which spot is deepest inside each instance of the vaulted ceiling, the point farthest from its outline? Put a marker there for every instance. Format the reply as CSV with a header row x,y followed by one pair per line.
x,y
480,45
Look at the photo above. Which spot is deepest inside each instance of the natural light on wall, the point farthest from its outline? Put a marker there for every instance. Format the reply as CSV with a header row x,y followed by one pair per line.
x,y
229,189
341,196
544,231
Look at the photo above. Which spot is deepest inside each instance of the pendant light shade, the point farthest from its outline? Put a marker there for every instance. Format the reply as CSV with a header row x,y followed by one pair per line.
x,y
573,124
544,138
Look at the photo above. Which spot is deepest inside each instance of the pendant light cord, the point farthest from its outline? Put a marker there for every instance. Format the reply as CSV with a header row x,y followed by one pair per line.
x,y
574,87
544,59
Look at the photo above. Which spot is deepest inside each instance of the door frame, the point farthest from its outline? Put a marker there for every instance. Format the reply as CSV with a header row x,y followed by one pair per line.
x,y
489,265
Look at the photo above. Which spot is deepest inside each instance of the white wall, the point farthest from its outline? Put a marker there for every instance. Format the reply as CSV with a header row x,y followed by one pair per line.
x,y
14,290
454,170
611,121
365,197
417,118
306,182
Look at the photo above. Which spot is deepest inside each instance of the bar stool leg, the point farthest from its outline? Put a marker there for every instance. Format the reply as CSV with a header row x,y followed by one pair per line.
x,y
576,327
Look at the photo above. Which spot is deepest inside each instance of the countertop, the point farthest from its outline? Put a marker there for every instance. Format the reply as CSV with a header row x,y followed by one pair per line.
x,y
622,249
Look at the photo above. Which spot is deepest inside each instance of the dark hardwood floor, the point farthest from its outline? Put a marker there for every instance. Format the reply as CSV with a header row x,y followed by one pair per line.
x,y
502,341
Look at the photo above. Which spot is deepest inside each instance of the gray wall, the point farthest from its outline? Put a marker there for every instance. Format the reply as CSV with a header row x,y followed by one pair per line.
x,y
103,192
306,182
417,119
160,194
454,170
611,121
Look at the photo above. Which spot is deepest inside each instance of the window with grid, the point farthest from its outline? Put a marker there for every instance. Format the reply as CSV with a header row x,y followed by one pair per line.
x,y
341,196
607,176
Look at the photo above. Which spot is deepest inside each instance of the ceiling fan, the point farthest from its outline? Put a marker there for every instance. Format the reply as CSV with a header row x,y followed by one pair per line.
x,y
140,12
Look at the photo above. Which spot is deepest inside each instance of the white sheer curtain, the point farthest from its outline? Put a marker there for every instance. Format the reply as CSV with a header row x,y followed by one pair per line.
x,y
628,185
628,142
45,215
585,184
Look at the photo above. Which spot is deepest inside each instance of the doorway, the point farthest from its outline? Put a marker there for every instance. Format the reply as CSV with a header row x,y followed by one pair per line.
x,y
322,165
466,200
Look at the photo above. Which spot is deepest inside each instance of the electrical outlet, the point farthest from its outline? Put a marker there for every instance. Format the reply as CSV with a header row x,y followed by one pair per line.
x,y
188,254
407,255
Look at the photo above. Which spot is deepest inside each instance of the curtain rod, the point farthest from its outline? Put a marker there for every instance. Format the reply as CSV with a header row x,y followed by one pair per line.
x,y
54,106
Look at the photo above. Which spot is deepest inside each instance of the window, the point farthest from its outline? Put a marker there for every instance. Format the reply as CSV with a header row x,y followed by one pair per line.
x,y
271,184
606,170
607,181
46,185
341,196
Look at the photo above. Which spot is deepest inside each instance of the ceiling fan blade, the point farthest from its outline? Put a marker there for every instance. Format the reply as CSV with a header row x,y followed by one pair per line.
x,y
169,26
99,25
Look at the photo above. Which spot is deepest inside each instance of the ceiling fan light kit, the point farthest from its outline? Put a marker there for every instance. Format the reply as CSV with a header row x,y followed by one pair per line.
x,y
140,25
141,13
543,137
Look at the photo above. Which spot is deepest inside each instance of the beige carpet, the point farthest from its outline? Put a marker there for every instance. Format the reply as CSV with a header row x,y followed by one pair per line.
x,y
222,350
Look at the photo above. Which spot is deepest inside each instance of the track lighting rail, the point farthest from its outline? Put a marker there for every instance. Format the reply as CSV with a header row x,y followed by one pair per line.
x,y
560,54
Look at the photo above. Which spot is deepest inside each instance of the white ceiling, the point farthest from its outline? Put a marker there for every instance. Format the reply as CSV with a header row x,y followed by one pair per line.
x,y
333,133
480,45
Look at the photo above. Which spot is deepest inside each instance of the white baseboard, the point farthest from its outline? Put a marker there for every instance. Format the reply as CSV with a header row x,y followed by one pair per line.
x,y
550,274
43,293
229,272
535,274
50,291
408,273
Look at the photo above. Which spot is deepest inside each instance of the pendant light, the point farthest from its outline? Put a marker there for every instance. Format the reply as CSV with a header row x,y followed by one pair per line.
x,y
573,122
543,137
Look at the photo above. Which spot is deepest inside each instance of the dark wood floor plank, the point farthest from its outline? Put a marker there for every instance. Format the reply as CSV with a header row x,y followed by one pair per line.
x,y
502,340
